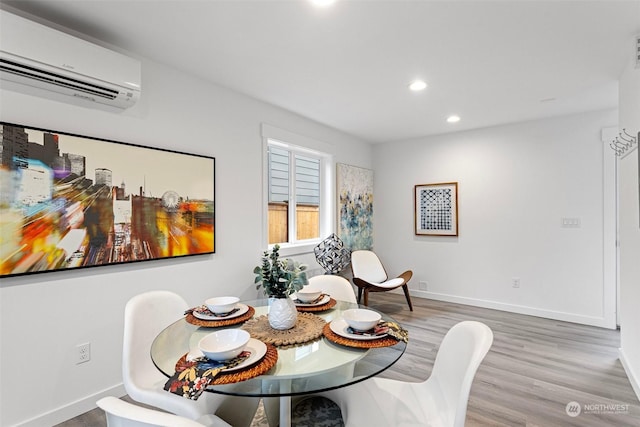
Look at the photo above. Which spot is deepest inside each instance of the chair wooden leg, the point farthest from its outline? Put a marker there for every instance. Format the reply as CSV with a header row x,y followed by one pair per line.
x,y
405,288
366,297
359,294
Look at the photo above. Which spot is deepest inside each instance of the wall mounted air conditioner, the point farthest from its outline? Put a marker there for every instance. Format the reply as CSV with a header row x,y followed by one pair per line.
x,y
40,60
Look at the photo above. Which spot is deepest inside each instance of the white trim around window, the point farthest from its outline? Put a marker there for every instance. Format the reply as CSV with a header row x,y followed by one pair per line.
x,y
314,147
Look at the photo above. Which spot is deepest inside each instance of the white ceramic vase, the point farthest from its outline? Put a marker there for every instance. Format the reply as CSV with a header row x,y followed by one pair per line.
x,y
282,313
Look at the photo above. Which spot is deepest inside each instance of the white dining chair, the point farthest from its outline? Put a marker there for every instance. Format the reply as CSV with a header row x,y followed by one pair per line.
x,y
145,316
336,286
369,275
124,414
440,401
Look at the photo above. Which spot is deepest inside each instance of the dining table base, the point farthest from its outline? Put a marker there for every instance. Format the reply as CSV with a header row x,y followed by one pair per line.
x,y
278,409
285,404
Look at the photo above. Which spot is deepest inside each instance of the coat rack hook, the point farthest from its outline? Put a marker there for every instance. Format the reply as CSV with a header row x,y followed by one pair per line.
x,y
615,149
624,143
619,144
633,138
630,141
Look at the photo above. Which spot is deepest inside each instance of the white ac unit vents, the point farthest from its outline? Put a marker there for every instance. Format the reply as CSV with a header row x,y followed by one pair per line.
x,y
41,60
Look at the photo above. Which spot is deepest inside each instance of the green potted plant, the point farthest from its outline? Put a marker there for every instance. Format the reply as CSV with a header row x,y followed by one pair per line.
x,y
278,280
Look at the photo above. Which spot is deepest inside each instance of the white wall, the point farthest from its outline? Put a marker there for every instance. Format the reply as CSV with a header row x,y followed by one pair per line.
x,y
515,183
44,316
629,216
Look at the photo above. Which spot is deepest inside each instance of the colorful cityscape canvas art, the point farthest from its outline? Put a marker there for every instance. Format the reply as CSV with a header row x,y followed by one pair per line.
x,y
70,201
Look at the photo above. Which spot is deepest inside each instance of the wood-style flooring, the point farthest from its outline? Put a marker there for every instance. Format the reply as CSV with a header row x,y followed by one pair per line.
x,y
535,368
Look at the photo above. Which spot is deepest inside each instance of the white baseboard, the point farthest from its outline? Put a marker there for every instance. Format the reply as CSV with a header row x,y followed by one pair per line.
x,y
520,309
634,379
72,409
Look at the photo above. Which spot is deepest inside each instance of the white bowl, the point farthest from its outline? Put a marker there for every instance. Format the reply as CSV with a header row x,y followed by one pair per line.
x,y
308,295
361,319
224,344
221,305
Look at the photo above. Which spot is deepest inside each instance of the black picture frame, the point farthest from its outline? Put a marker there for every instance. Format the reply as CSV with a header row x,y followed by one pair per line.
x,y
71,201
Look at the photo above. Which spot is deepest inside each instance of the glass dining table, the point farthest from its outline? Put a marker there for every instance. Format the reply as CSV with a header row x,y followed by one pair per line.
x,y
301,369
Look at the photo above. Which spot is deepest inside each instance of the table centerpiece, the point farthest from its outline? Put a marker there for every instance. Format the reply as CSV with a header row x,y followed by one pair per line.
x,y
278,280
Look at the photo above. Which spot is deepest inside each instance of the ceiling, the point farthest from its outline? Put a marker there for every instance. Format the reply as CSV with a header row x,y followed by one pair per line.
x,y
348,66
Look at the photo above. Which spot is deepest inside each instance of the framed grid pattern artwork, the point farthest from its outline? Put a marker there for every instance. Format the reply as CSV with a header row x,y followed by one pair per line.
x,y
436,209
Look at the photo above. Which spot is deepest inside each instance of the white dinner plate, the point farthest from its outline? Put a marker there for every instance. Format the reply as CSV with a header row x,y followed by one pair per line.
x,y
325,299
257,348
243,309
340,327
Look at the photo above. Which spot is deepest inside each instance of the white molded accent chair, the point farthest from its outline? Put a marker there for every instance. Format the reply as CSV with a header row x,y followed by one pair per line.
x,y
337,287
369,275
145,316
440,401
124,414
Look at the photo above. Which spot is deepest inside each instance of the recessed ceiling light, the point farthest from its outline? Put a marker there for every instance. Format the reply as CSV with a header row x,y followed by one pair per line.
x,y
417,85
453,119
323,3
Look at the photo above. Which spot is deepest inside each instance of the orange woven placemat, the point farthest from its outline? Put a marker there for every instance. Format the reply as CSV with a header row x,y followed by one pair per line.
x,y
387,341
308,328
312,308
190,318
263,366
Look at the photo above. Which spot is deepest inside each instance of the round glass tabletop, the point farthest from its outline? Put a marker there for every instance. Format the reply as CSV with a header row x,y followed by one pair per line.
x,y
305,368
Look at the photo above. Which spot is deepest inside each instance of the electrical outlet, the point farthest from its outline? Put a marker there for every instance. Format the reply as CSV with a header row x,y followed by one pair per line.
x,y
570,223
83,353
422,286
515,282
